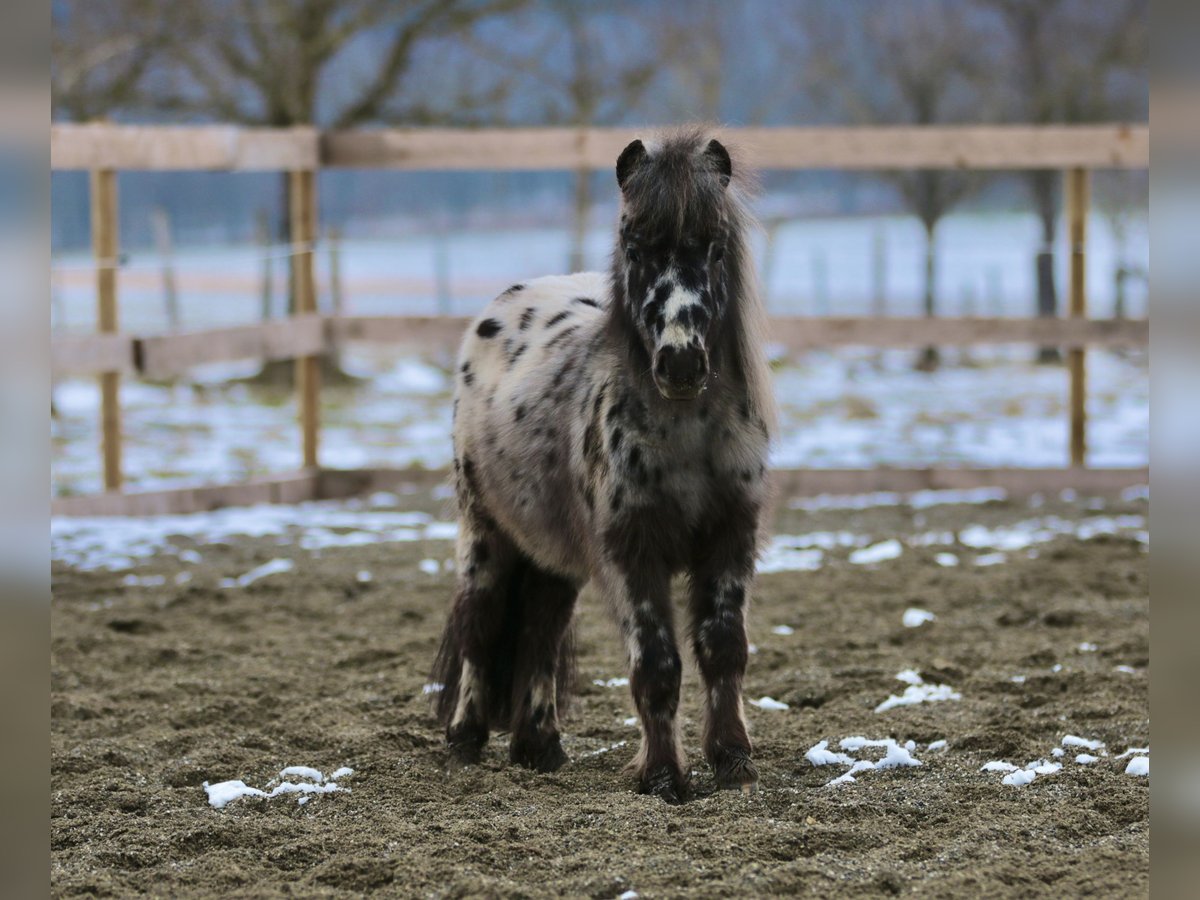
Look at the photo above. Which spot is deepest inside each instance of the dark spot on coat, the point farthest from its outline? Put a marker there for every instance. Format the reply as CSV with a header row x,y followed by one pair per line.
x,y
488,328
586,301
526,317
557,318
561,336
520,412
514,289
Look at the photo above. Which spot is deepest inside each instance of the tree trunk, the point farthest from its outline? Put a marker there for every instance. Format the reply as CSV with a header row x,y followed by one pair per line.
x,y
1045,191
929,358
583,206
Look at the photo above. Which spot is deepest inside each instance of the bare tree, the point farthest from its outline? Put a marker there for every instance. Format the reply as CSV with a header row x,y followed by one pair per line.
x,y
101,54
902,64
334,63
581,63
1062,61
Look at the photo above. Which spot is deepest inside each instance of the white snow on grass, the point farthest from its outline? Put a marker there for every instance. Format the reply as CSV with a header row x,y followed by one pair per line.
x,y
917,500
783,629
1019,778
998,765
619,681
877,553
991,559
937,745
819,754
769,703
1043,767
1025,534
434,687
430,566
917,692
1128,670
312,781
1071,740
915,618
1139,765
895,756
117,543
946,560
274,567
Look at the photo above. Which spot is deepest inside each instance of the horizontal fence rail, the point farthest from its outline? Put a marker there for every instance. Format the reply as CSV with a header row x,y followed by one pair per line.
x,y
171,355
105,149
233,148
339,484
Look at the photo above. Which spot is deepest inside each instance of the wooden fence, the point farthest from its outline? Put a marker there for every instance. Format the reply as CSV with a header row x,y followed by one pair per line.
x,y
104,149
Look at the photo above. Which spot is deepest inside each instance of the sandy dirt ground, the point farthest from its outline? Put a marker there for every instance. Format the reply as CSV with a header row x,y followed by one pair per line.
x,y
157,689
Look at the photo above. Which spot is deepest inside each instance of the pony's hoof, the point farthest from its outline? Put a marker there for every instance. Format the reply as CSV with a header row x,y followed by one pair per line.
x,y
545,757
459,756
464,749
736,770
666,783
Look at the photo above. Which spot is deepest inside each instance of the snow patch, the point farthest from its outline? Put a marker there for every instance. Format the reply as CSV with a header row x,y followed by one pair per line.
x,y
312,782
946,560
769,703
877,553
1019,778
611,682
997,765
1072,740
1139,765
820,755
917,692
783,629
915,618
274,567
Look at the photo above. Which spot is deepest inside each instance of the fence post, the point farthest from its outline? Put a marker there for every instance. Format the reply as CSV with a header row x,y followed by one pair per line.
x,y
1077,190
104,252
303,225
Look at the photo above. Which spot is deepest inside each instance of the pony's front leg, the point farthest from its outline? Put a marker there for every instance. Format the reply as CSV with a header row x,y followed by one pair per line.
x,y
718,608
643,604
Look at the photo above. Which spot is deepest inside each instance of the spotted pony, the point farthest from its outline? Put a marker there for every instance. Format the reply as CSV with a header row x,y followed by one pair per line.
x,y
614,428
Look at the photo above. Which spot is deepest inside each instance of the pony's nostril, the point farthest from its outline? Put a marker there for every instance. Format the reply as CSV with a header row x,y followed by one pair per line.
x,y
683,366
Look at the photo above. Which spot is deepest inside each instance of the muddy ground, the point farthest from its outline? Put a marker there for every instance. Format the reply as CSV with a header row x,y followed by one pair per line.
x,y
158,689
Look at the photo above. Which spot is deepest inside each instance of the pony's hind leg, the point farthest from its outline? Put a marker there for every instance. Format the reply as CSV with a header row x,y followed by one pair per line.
x,y
541,668
467,663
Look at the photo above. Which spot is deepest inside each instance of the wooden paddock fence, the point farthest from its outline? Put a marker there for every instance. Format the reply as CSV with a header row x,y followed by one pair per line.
x,y
109,355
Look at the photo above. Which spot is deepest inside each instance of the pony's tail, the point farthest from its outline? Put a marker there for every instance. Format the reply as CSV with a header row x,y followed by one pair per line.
x,y
473,614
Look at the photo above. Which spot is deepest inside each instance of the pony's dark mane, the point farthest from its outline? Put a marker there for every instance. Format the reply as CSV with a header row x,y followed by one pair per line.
x,y
677,191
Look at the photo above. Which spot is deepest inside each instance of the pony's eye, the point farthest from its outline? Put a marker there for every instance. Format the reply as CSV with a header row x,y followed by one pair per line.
x,y
718,252
632,254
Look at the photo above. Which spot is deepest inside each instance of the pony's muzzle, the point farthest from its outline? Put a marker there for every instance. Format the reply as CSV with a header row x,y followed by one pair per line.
x,y
680,372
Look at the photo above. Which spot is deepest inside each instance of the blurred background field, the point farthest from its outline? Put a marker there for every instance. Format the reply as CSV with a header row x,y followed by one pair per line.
x,y
200,250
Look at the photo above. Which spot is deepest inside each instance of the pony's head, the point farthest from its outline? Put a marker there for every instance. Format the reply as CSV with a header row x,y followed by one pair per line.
x,y
673,253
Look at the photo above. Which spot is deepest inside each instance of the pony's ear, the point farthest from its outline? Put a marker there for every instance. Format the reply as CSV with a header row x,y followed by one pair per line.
x,y
631,157
716,153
